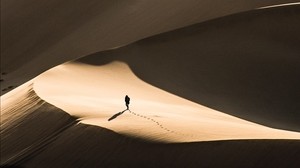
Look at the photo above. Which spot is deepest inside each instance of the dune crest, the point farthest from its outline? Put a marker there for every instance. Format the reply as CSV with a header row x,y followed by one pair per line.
x,y
28,124
96,93
53,134
174,59
49,33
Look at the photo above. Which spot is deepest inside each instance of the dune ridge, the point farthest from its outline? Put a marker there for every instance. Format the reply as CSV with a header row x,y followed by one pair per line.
x,y
21,111
95,93
49,33
246,65
221,93
82,145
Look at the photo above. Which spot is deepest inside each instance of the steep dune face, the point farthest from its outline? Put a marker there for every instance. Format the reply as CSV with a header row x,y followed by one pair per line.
x,y
245,65
255,79
44,136
28,124
48,33
90,146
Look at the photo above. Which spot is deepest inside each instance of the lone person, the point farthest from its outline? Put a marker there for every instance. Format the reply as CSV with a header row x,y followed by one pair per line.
x,y
127,99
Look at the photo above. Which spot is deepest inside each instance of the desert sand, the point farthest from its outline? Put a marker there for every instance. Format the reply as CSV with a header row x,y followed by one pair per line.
x,y
56,139
97,93
219,93
49,33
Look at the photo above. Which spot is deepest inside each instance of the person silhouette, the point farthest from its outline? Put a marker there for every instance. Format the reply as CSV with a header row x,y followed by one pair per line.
x,y
127,99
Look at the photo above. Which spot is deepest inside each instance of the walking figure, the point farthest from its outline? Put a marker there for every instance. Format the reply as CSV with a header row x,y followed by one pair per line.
x,y
127,99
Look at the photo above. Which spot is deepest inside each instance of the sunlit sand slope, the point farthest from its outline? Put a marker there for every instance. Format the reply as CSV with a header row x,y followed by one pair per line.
x,y
45,136
246,65
96,93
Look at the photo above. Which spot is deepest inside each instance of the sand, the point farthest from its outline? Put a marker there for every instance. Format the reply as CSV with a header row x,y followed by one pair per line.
x,y
220,93
98,92
245,65
57,140
49,33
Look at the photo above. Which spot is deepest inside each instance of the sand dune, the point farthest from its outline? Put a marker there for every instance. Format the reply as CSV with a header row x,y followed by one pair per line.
x,y
94,94
215,94
246,65
49,33
51,144
28,124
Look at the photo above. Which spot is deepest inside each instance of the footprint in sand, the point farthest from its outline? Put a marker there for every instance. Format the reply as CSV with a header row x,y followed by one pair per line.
x,y
160,125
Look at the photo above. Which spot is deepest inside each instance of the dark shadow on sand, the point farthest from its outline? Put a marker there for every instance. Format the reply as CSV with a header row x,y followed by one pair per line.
x,y
219,64
82,145
116,115
91,146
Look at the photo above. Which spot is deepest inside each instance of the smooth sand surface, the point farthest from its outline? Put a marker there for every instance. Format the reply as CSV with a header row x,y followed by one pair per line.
x,y
96,93
49,33
56,140
245,67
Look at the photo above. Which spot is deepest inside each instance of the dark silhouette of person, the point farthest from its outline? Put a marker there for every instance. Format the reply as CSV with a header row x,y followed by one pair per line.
x,y
127,100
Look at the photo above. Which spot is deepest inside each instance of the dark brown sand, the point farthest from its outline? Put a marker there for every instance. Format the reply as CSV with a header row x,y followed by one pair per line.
x,y
246,65
28,124
37,35
55,140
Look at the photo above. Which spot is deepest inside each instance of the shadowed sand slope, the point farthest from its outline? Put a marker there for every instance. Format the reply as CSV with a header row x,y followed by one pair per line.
x,y
246,65
28,124
90,146
48,33
55,141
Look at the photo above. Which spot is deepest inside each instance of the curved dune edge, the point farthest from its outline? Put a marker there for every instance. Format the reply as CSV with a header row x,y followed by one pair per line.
x,y
96,93
89,146
49,33
246,65
28,123
54,140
